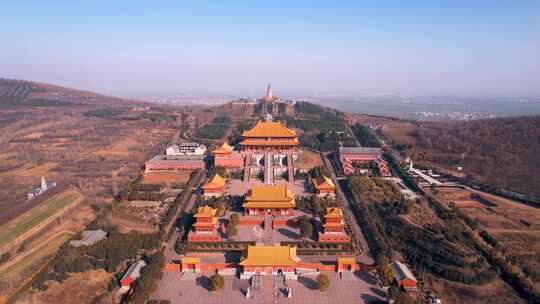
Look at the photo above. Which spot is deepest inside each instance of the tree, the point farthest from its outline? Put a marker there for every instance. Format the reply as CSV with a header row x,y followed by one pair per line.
x,y
216,282
232,230
221,208
306,228
322,282
235,219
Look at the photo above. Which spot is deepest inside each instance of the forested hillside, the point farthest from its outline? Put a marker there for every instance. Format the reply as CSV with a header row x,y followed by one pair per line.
x,y
502,152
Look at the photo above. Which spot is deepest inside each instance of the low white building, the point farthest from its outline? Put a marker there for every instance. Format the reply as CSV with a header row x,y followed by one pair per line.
x,y
189,148
89,238
132,274
45,185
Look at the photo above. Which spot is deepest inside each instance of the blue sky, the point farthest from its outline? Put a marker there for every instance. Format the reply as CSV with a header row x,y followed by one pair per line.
x,y
132,48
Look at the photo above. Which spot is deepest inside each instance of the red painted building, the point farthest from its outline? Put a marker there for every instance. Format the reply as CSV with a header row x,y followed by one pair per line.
x,y
269,136
174,162
334,227
204,229
350,156
275,200
226,157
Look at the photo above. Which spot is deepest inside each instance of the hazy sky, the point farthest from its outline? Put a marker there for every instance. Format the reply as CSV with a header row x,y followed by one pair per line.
x,y
130,48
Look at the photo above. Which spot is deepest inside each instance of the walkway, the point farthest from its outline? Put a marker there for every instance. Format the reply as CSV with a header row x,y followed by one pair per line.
x,y
365,255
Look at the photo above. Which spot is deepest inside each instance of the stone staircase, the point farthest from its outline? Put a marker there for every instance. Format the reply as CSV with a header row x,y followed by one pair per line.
x,y
290,168
268,169
247,167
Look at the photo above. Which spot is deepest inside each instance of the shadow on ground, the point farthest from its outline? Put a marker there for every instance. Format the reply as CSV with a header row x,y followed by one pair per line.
x,y
308,282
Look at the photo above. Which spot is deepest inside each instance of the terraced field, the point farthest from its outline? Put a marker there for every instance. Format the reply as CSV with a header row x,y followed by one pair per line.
x,y
38,254
37,217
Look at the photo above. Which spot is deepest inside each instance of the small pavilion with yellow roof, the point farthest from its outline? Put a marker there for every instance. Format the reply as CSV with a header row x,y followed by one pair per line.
x,y
215,187
204,229
269,136
334,227
324,186
269,260
274,199
226,157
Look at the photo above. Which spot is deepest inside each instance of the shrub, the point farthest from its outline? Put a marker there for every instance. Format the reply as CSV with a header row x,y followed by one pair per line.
x,y
322,282
235,219
216,282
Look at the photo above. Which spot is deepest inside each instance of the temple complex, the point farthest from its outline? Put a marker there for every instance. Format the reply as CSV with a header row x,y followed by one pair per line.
x,y
204,229
334,227
271,137
324,186
269,260
215,187
364,161
226,157
275,200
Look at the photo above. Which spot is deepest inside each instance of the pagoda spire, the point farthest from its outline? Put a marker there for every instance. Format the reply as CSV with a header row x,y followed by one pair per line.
x,y
268,91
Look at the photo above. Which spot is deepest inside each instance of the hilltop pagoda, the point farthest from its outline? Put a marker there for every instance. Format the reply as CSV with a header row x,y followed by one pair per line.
x,y
204,229
269,136
275,200
334,227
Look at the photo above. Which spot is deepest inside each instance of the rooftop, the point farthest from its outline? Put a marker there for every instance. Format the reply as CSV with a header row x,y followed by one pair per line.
x,y
278,196
177,158
224,149
334,212
401,271
265,255
206,211
134,271
324,182
360,150
216,182
269,129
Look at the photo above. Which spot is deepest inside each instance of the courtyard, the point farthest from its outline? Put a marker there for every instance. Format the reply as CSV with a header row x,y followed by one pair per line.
x,y
194,288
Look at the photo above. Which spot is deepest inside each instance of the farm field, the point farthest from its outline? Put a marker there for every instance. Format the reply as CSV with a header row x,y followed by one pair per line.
x,y
178,177
31,220
38,253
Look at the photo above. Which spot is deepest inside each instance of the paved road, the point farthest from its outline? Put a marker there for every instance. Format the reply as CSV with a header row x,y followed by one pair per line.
x,y
365,257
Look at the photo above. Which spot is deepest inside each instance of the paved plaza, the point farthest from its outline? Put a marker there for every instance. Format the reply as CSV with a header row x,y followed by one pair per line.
x,y
194,288
238,187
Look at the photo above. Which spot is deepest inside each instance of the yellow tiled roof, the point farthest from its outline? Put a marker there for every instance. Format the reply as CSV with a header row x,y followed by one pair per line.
x,y
206,211
224,149
270,197
346,261
191,260
269,129
334,212
216,182
292,142
324,182
264,255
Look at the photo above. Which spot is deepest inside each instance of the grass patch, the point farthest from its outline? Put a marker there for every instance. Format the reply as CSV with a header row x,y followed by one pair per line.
x,y
46,249
33,217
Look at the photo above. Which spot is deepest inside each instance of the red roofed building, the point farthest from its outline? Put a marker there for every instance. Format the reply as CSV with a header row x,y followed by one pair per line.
x,y
215,187
226,157
351,157
324,186
204,229
132,274
334,227
269,136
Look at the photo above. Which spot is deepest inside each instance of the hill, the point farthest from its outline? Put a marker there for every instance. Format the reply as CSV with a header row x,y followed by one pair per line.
x,y
16,93
502,152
